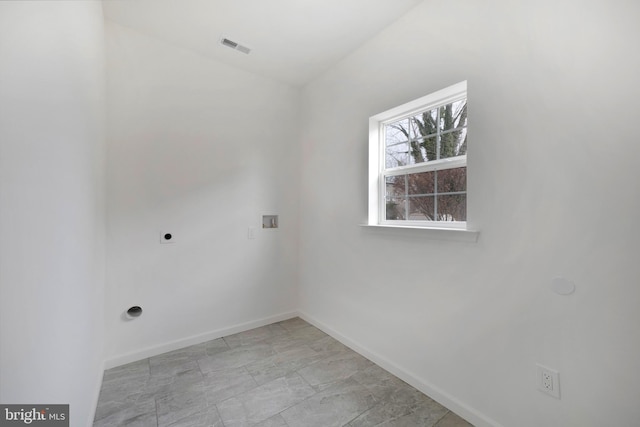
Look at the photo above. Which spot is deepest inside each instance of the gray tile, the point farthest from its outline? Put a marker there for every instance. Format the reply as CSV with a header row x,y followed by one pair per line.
x,y
142,420
112,403
308,333
167,364
389,388
206,418
254,336
125,382
193,352
130,413
107,408
328,345
377,377
333,407
234,414
235,358
334,368
400,404
281,364
398,400
287,342
180,404
452,420
216,346
303,336
264,402
283,375
128,371
425,415
221,385
293,324
168,368
275,421
179,380
380,414
122,388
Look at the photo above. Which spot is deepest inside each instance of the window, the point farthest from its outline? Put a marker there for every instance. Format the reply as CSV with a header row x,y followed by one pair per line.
x,y
418,162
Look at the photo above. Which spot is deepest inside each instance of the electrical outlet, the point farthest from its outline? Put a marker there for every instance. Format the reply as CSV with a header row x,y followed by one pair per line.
x,y
548,381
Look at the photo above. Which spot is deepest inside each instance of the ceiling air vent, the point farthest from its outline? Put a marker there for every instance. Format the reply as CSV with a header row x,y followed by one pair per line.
x,y
233,45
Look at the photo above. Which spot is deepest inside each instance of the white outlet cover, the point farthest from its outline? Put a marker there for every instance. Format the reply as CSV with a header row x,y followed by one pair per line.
x,y
548,380
562,286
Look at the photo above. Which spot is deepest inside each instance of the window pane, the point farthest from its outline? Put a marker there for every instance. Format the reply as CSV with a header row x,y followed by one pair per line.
x,y
395,186
397,132
452,180
395,209
397,155
428,147
424,124
417,152
453,143
453,115
452,207
421,183
421,208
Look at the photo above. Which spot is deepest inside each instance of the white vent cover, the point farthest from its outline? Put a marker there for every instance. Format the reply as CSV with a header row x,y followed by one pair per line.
x,y
234,45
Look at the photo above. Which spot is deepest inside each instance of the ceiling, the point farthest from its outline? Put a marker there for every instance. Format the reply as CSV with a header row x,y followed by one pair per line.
x,y
292,41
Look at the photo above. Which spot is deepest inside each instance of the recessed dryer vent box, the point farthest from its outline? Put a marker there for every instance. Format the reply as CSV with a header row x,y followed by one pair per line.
x,y
269,221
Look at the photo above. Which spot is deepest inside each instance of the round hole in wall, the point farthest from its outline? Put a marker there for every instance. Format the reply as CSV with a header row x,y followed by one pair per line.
x,y
135,311
167,236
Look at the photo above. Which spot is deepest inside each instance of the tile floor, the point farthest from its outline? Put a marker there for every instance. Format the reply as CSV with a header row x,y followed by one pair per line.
x,y
288,374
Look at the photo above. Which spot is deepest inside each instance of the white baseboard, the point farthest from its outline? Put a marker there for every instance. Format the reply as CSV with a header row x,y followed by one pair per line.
x,y
465,411
195,339
96,394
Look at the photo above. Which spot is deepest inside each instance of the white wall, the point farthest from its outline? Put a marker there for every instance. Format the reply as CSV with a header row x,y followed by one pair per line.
x,y
51,204
553,187
201,150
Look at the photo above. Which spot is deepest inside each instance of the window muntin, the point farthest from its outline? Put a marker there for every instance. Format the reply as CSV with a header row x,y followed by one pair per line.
x,y
420,153
439,195
431,135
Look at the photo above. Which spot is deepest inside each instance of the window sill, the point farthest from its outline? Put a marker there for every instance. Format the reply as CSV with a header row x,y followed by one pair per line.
x,y
439,233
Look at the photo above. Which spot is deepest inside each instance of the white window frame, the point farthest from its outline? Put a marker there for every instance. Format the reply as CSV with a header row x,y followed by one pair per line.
x,y
378,172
